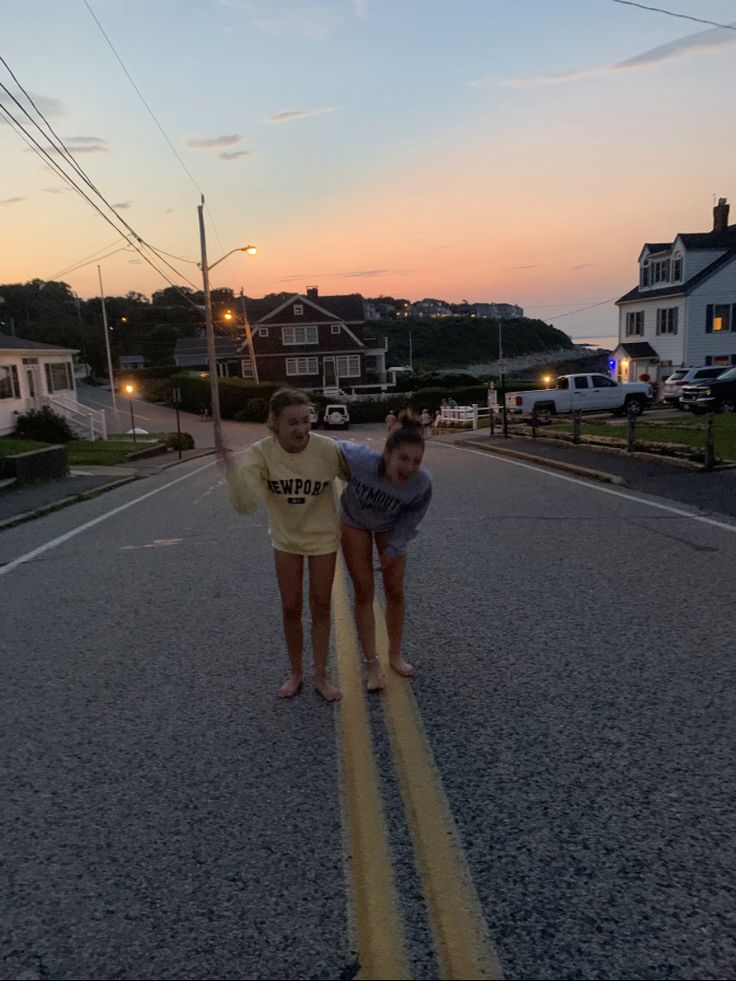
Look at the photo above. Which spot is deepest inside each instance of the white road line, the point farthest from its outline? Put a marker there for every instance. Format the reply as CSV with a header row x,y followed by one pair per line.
x,y
595,487
29,556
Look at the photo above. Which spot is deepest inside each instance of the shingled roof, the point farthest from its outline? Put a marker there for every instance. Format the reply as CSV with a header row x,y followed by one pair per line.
x,y
347,308
682,289
9,343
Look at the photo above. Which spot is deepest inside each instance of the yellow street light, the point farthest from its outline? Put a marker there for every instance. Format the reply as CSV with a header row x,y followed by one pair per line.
x,y
546,379
130,392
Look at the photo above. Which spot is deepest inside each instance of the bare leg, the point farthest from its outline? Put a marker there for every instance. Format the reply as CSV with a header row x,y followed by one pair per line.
x,y
393,587
321,574
357,547
289,572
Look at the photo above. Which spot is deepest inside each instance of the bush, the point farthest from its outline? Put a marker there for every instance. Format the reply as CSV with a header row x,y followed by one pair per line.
x,y
254,410
44,425
177,441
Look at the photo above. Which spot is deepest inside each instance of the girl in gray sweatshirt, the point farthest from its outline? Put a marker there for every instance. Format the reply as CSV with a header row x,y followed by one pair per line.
x,y
385,500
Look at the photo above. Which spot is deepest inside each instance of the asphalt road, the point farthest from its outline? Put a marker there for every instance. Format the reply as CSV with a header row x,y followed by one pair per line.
x,y
165,816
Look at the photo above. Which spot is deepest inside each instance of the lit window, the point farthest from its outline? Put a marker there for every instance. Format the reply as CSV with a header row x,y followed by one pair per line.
x,y
721,316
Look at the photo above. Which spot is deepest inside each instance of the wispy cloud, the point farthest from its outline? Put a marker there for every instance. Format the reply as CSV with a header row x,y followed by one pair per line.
x,y
690,44
233,154
48,105
122,204
312,19
360,7
353,274
287,117
54,190
523,267
85,140
210,143
78,144
583,265
8,201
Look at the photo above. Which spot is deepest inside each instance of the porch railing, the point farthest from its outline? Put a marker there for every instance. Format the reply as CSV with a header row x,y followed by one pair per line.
x,y
85,422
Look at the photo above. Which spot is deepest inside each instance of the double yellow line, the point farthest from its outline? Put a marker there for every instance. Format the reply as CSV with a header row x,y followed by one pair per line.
x,y
463,947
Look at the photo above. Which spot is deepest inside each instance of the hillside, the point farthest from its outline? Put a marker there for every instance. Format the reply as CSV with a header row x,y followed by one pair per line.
x,y
453,342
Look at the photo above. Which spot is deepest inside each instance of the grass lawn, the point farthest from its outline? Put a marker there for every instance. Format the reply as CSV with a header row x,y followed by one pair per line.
x,y
101,452
690,432
9,446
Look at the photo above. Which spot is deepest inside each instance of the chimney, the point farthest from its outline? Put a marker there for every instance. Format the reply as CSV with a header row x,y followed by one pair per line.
x,y
313,292
720,216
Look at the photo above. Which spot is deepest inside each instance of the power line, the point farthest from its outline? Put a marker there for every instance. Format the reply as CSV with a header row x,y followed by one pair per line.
x,y
671,13
58,145
164,134
140,96
559,316
89,261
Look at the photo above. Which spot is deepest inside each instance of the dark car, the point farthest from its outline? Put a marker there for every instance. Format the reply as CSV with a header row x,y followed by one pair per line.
x,y
719,395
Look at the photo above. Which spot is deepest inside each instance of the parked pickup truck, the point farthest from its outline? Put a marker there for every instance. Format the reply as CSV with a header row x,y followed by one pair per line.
x,y
719,395
588,393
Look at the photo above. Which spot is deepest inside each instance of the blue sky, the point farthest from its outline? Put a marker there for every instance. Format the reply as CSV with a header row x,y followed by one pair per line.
x,y
513,151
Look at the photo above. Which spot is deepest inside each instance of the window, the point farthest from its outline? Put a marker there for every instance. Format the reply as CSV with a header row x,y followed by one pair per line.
x,y
298,309
721,316
300,335
58,377
600,381
263,331
677,269
635,323
302,366
661,271
9,388
348,366
645,274
335,328
667,320
721,359
581,382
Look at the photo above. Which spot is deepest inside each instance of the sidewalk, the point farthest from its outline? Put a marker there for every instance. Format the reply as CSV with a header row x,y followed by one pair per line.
x,y
675,480
19,504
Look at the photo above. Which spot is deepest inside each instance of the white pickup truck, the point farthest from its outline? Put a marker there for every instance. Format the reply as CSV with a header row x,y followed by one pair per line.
x,y
588,393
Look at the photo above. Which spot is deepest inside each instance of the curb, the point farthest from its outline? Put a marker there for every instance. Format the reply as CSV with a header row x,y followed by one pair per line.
x,y
543,461
20,519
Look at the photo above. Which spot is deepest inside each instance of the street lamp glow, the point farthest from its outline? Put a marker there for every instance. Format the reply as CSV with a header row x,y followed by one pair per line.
x,y
130,389
251,250
546,379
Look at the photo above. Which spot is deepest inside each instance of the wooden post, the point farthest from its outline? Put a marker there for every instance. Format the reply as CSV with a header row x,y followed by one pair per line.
x,y
710,456
576,426
630,433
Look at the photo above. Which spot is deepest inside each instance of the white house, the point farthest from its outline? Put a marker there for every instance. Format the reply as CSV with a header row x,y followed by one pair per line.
x,y
33,375
683,311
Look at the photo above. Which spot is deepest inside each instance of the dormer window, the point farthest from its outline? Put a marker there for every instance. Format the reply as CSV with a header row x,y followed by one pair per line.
x,y
660,271
645,274
677,269
298,309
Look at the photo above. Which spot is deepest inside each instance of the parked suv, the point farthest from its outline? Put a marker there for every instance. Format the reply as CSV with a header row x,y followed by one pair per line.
x,y
719,395
336,417
674,385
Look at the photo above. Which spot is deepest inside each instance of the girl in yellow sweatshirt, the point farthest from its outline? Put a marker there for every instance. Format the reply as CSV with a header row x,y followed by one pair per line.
x,y
293,470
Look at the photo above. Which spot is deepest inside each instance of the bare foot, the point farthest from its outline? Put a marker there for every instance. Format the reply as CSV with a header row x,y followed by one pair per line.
x,y
327,690
376,681
402,667
292,686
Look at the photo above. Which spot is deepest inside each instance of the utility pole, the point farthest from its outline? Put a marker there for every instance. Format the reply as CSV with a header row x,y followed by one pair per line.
x,y
502,372
107,349
211,355
249,337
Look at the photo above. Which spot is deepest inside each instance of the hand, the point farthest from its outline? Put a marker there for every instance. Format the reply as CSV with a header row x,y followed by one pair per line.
x,y
224,457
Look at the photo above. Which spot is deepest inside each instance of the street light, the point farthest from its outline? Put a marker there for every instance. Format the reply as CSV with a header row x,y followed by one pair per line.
x,y
130,392
211,354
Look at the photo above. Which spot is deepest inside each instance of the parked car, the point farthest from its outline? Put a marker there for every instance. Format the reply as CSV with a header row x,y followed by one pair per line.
x,y
674,385
719,395
336,417
584,392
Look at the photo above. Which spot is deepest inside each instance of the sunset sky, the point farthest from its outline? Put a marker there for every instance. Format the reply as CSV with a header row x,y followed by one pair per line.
x,y
518,151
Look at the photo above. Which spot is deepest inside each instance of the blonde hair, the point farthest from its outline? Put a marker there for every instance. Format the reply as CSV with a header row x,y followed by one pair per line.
x,y
283,399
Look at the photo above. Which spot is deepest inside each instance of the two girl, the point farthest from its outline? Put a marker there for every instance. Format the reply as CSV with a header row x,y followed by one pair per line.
x,y
386,496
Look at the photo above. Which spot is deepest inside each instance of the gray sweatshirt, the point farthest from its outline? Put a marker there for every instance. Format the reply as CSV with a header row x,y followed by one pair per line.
x,y
372,503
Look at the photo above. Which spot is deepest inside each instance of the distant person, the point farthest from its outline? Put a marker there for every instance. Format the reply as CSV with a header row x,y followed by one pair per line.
x,y
451,403
437,423
206,413
390,421
293,471
383,504
426,420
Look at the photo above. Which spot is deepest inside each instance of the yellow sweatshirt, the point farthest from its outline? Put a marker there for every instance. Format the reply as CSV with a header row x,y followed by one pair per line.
x,y
298,489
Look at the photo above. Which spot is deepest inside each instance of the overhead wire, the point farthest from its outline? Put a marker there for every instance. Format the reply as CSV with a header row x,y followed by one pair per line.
x,y
672,13
162,131
57,144
88,262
